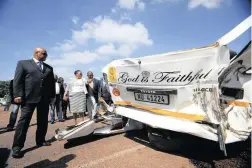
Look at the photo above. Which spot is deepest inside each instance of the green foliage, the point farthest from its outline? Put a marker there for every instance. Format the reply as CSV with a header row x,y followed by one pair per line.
x,y
4,88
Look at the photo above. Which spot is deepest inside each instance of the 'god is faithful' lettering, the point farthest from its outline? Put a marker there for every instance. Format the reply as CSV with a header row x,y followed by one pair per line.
x,y
125,77
167,77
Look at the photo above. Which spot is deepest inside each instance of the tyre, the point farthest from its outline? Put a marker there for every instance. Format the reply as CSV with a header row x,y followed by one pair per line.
x,y
164,140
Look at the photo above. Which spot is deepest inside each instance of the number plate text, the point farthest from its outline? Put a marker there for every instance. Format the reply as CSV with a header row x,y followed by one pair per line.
x,y
152,98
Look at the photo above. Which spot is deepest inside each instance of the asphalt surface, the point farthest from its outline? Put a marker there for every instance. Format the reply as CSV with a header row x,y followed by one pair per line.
x,y
123,150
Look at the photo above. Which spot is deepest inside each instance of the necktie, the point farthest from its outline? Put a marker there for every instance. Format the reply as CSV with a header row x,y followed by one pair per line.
x,y
40,65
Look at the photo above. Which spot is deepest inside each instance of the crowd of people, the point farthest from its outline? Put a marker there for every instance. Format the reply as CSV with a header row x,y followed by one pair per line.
x,y
35,86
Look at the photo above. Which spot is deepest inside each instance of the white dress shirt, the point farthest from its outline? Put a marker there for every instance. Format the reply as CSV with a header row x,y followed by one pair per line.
x,y
57,88
37,62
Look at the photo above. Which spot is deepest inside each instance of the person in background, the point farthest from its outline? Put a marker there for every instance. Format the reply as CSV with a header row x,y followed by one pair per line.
x,y
52,103
76,92
59,91
93,86
63,102
33,87
15,108
8,102
60,97
104,91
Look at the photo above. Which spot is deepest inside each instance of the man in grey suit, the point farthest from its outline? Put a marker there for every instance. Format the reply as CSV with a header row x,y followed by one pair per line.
x,y
93,86
33,87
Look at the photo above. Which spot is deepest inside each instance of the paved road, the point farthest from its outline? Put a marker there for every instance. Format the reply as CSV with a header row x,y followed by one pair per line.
x,y
123,150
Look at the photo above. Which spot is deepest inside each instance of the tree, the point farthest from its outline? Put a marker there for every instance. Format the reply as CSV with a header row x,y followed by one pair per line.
x,y
4,88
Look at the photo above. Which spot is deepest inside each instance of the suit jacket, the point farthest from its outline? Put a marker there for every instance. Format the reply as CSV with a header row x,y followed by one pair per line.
x,y
32,84
95,89
103,90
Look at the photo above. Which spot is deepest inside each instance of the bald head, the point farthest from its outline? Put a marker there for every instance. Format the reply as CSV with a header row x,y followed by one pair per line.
x,y
90,75
40,54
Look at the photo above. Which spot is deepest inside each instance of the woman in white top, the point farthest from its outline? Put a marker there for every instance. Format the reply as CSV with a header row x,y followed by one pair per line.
x,y
76,92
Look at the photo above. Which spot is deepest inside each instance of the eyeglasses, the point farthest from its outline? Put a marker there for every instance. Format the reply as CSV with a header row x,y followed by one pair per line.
x,y
44,53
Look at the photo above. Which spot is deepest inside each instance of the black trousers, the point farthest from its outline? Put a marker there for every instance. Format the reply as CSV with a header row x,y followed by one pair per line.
x,y
65,104
24,122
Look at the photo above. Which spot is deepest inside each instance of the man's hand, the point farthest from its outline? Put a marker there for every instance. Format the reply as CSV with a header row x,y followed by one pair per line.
x,y
18,100
65,98
100,100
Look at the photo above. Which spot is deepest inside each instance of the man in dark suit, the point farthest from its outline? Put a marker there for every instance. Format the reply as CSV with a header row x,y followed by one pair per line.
x,y
93,86
33,87
104,91
62,92
58,102
15,108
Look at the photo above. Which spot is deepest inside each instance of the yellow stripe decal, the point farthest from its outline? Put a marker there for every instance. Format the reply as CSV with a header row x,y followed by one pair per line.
x,y
192,117
238,103
112,74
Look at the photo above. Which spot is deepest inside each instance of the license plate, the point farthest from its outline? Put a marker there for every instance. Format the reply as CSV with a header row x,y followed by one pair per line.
x,y
152,98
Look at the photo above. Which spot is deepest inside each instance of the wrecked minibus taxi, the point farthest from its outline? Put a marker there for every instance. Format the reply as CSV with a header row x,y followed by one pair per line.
x,y
204,92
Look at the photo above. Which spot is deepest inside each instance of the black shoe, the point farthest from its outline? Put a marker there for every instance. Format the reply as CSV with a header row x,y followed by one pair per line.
x,y
62,120
43,144
52,122
16,153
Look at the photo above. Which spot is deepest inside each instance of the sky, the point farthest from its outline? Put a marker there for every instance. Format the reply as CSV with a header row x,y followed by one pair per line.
x,y
88,34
